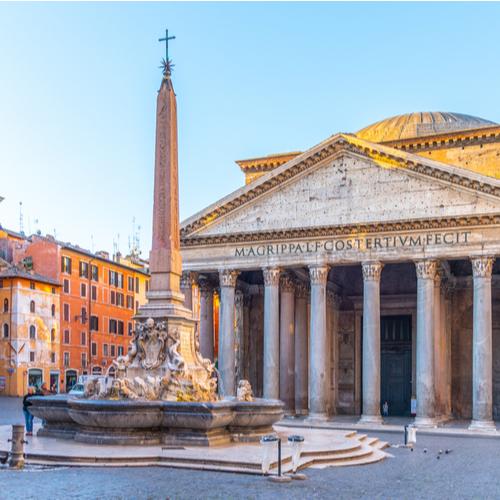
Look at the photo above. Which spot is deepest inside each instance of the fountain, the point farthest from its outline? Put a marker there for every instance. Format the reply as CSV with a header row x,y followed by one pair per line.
x,y
164,390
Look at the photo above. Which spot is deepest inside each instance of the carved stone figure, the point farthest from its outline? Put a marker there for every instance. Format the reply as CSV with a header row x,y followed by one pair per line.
x,y
244,392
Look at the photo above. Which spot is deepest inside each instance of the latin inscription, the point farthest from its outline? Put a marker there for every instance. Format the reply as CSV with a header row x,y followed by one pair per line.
x,y
449,238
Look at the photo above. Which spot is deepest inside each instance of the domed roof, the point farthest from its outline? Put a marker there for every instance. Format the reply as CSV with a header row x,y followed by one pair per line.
x,y
420,124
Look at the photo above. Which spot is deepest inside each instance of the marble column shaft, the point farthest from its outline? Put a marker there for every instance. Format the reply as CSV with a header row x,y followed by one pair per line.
x,y
371,342
301,350
207,321
482,357
426,396
287,343
318,343
226,331
271,333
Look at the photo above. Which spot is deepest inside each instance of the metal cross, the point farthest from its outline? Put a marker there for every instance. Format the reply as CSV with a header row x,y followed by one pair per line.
x,y
166,39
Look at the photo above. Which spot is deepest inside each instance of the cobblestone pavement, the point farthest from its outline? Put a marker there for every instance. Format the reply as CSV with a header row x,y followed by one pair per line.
x,y
471,470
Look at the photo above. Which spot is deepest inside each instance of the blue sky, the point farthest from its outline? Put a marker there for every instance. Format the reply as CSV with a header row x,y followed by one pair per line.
x,y
78,83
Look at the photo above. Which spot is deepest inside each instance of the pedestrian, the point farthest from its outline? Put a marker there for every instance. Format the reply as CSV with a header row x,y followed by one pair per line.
x,y
385,409
45,390
28,417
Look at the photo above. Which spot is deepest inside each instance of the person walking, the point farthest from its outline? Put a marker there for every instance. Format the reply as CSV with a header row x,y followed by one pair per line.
x,y
28,417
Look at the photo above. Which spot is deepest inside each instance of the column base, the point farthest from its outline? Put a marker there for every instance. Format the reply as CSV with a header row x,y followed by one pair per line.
x,y
371,419
482,426
425,422
316,418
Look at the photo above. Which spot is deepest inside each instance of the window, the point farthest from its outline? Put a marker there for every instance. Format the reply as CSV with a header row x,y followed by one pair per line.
x,y
105,350
32,332
95,273
66,265
32,285
119,299
113,297
147,285
130,284
84,360
119,280
136,306
120,350
32,356
66,359
130,302
53,310
5,331
120,327
53,335
83,290
66,337
129,326
53,290
113,350
83,316
93,293
66,312
94,349
5,305
94,323
83,338
112,326
115,279
1,283
84,269
137,285
66,285
32,306
52,357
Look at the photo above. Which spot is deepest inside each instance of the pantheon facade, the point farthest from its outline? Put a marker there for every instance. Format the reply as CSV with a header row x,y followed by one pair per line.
x,y
359,272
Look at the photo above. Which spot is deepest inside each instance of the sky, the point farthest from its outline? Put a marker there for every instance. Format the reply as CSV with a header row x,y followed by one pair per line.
x,y
78,84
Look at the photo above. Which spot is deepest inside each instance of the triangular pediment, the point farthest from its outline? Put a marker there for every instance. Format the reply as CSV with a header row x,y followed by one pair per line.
x,y
347,181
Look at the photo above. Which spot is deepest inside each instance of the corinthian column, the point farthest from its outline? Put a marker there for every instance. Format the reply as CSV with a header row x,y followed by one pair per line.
x,y
482,385
426,395
318,343
227,280
371,342
188,281
271,333
301,350
287,343
206,320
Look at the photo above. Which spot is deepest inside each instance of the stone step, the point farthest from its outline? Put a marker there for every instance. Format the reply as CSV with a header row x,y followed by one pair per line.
x,y
326,451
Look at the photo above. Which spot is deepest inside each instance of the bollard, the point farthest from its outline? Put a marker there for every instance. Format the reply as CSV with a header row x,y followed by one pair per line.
x,y
296,442
17,448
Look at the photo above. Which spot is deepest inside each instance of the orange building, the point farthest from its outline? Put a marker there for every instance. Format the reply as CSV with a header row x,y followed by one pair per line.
x,y
97,297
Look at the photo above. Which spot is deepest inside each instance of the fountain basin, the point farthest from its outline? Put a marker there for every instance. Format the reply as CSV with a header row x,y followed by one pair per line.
x,y
133,422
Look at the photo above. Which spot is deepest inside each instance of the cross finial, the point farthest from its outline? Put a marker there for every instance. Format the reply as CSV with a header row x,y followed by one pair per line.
x,y
166,63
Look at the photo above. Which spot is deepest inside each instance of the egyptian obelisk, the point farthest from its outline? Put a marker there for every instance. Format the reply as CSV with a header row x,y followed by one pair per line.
x,y
164,297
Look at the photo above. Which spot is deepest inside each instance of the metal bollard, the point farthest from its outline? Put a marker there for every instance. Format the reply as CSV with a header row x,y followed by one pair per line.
x,y
17,449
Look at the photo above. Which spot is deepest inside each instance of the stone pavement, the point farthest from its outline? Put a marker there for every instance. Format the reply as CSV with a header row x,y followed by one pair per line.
x,y
469,471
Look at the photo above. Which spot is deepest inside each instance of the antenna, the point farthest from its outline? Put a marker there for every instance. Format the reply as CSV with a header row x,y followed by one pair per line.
x,y
92,242
21,223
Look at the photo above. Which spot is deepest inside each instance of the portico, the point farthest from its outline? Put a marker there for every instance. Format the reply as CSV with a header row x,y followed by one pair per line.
x,y
362,272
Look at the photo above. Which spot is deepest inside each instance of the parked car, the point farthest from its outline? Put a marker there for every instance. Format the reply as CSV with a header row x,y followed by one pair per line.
x,y
77,391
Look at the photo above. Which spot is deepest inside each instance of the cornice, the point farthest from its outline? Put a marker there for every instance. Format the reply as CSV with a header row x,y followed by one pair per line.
x,y
429,168
344,230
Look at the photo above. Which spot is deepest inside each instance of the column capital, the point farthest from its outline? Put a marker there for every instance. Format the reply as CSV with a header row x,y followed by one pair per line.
x,y
287,284
206,288
188,278
426,269
271,276
228,277
372,270
482,266
318,275
301,290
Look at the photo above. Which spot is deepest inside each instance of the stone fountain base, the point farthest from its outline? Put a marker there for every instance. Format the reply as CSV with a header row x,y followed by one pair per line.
x,y
132,422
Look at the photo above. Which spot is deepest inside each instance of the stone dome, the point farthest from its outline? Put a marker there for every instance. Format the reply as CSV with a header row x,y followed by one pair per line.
x,y
413,125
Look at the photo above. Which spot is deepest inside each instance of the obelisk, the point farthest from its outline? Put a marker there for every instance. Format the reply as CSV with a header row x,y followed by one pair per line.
x,y
164,297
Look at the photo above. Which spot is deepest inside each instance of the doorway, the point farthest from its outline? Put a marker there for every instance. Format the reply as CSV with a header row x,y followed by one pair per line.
x,y
396,364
